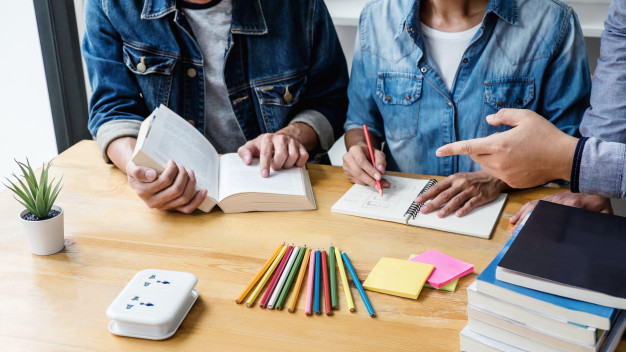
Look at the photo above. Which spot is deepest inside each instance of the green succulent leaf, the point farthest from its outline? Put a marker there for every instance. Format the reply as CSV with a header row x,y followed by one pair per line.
x,y
27,199
38,196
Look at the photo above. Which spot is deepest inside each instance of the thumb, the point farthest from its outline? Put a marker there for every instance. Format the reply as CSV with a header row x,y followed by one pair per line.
x,y
141,173
510,117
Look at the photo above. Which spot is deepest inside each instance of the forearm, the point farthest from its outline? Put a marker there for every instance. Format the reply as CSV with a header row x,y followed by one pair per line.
x,y
356,136
120,151
302,133
599,168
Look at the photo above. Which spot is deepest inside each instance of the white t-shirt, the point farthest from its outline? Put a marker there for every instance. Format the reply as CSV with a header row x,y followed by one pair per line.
x,y
447,49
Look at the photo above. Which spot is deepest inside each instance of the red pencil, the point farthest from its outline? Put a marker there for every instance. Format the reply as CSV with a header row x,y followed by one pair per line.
x,y
279,271
379,187
327,307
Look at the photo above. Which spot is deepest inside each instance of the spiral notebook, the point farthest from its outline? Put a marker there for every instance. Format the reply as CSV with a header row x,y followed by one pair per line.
x,y
397,205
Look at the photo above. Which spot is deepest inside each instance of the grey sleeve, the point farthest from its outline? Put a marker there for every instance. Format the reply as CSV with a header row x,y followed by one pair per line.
x,y
601,168
319,124
112,130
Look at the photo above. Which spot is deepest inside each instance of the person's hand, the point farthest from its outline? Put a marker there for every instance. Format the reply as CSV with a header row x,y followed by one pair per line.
x,y
578,200
462,192
358,167
173,189
530,154
277,150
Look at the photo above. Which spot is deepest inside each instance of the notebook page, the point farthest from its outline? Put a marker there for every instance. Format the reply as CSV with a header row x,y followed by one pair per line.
x,y
365,201
237,177
478,222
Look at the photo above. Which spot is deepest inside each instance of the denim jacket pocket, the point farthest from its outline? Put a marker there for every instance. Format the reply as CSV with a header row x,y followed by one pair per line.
x,y
153,71
277,97
513,92
397,96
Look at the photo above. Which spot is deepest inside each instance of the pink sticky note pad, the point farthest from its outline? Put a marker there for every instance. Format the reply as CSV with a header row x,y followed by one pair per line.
x,y
447,268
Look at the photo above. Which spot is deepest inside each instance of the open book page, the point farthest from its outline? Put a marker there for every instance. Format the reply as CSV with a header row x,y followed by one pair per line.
x,y
366,201
237,177
170,137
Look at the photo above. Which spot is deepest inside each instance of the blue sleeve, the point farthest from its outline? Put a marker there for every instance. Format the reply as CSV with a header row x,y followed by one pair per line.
x,y
116,94
567,80
606,118
362,109
599,168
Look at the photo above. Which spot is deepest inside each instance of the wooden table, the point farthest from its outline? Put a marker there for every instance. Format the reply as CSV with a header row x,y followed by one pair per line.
x,y
58,302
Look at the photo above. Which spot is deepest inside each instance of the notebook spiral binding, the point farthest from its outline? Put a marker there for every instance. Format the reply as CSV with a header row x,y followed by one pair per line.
x,y
415,208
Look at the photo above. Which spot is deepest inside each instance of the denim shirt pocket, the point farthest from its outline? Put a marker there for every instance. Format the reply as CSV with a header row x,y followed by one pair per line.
x,y
277,97
397,97
512,92
153,70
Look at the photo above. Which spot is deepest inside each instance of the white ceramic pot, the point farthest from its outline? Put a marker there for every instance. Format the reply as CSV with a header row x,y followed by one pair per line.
x,y
44,237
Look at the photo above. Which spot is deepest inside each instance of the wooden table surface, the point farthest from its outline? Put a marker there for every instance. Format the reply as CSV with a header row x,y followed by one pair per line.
x,y
58,302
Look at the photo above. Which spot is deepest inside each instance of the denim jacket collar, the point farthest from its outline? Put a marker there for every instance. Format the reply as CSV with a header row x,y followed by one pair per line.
x,y
505,9
247,19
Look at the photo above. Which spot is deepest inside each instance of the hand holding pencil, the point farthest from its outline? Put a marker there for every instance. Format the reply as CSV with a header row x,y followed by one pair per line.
x,y
363,163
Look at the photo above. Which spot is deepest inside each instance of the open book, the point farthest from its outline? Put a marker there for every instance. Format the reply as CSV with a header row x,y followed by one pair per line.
x,y
397,205
231,184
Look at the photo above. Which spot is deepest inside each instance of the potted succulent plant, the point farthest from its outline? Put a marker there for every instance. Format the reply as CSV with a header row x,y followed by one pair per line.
x,y
42,220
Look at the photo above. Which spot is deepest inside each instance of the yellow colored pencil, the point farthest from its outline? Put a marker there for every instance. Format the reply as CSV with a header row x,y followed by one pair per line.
x,y
258,275
296,289
344,280
266,277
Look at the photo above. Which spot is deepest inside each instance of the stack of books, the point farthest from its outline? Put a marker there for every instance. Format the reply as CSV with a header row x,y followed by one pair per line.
x,y
558,284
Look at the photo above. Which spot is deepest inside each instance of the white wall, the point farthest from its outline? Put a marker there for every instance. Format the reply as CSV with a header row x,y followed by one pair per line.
x,y
25,115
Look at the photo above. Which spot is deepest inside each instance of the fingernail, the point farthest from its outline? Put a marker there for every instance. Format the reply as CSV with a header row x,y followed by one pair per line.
x,y
377,176
265,172
459,213
425,209
438,152
380,168
150,175
419,200
441,213
490,118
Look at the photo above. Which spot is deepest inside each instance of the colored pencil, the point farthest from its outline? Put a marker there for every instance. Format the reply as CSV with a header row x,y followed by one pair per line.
x,y
283,278
296,291
258,276
318,267
279,271
379,187
344,280
309,287
333,277
292,274
266,276
358,285
327,308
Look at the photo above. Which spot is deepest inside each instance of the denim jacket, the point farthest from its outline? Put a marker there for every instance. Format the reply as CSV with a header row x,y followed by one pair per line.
x,y
527,54
142,53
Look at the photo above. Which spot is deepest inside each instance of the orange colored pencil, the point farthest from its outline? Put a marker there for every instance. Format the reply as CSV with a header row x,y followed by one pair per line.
x,y
256,279
296,290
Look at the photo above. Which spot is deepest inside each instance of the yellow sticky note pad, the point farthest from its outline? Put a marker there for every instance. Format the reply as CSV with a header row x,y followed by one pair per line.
x,y
398,277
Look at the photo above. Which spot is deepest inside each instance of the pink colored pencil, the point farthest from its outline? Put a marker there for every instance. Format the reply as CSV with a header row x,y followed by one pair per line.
x,y
309,287
274,281
326,285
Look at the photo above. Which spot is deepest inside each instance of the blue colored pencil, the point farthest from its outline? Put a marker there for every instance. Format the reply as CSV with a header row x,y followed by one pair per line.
x,y
357,283
316,300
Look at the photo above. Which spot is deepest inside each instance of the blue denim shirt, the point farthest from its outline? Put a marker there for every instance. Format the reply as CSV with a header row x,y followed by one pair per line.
x,y
274,45
600,161
527,54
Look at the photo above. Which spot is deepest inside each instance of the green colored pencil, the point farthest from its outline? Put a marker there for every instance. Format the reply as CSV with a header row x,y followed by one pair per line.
x,y
292,274
333,277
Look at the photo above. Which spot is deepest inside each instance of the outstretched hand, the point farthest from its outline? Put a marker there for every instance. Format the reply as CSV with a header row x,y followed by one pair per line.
x,y
532,153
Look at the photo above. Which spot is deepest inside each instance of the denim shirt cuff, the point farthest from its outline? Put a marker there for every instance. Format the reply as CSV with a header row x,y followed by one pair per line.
x,y
112,130
602,168
578,155
319,123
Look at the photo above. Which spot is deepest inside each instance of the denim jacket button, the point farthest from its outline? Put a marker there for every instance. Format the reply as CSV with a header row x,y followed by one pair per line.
x,y
141,66
387,97
450,104
407,97
191,73
192,122
499,103
423,70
